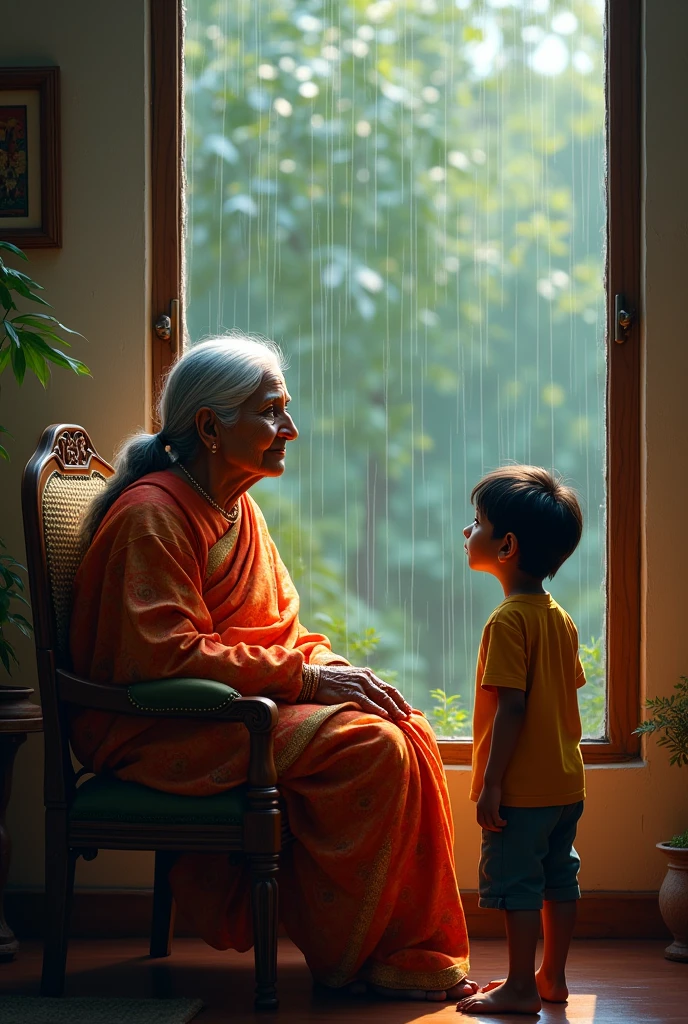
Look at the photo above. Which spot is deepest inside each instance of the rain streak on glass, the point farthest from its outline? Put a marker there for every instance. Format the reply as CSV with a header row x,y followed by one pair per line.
x,y
408,196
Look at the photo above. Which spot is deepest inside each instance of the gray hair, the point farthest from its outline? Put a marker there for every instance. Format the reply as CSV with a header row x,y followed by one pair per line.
x,y
220,373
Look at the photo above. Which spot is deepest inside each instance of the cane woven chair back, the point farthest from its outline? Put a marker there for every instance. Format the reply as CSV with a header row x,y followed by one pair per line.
x,y
65,500
60,480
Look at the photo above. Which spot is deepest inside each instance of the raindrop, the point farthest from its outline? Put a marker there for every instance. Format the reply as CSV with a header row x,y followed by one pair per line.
x,y
582,62
565,23
283,107
458,160
550,57
307,23
369,279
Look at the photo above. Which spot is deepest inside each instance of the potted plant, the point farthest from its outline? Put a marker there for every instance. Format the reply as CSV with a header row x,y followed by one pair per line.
x,y
27,342
669,716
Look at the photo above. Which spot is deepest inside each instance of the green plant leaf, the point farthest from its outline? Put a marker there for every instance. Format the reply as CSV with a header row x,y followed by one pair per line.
x,y
4,454
6,297
19,282
29,281
11,332
37,364
18,364
20,623
54,354
5,651
45,332
14,249
5,357
39,319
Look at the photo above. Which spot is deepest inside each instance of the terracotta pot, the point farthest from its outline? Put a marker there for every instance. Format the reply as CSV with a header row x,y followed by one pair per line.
x,y
673,901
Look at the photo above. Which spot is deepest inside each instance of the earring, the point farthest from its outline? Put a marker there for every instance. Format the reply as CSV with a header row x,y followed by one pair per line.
x,y
214,448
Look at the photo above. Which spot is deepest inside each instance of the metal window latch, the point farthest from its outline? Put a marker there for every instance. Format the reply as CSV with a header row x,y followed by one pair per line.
x,y
166,327
623,320
163,327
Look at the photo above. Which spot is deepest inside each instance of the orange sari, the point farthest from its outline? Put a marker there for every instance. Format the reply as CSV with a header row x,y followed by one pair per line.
x,y
367,888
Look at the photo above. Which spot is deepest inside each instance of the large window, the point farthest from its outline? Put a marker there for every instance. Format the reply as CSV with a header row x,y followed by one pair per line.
x,y
410,197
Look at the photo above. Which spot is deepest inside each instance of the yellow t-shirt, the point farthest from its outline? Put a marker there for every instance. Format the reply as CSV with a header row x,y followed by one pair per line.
x,y
531,644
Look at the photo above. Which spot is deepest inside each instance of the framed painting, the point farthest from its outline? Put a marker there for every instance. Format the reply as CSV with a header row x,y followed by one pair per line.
x,y
30,208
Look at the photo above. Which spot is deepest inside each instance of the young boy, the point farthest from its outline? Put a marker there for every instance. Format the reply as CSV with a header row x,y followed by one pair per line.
x,y
527,767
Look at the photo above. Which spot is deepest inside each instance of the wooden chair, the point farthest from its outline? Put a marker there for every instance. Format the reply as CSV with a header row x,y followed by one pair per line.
x,y
103,812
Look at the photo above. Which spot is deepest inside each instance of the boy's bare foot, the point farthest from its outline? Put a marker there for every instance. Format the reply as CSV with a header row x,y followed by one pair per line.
x,y
552,990
503,998
461,990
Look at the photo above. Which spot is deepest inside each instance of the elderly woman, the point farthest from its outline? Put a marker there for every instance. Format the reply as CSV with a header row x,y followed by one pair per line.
x,y
181,578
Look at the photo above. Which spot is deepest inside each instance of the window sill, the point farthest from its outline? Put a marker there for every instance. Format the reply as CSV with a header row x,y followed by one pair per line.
x,y
636,763
457,754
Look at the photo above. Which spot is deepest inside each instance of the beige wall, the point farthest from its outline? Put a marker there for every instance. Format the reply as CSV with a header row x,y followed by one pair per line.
x,y
97,284
102,58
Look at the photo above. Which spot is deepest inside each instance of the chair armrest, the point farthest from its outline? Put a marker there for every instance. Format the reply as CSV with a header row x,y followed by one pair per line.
x,y
184,698
171,698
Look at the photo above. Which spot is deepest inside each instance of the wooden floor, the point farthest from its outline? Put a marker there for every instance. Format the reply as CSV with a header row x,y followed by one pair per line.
x,y
612,982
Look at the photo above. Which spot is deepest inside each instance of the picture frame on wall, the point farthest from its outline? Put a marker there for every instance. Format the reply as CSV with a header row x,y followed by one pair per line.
x,y
30,199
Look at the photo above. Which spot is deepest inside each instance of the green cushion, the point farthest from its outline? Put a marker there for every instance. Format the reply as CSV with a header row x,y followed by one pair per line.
x,y
181,695
104,798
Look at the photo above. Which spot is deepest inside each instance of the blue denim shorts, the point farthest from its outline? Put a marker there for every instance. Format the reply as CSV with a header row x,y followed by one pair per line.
x,y
532,859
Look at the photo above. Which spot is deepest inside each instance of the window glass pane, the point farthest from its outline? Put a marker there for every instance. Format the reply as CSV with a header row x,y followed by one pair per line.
x,y
408,195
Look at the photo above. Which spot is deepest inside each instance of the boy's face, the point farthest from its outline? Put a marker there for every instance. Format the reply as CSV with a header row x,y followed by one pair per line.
x,y
481,547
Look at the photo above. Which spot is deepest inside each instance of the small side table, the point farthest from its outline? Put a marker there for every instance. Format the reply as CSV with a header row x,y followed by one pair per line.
x,y
18,716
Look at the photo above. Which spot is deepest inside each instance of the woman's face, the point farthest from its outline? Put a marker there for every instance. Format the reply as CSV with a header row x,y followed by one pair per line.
x,y
257,442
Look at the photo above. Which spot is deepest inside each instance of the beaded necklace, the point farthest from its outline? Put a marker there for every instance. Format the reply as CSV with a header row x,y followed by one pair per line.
x,y
230,516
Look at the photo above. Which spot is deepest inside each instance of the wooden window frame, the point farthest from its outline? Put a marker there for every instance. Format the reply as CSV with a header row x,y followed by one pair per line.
x,y
623,410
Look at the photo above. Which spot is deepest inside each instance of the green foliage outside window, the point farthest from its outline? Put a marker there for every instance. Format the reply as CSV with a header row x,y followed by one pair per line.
x,y
592,696
408,196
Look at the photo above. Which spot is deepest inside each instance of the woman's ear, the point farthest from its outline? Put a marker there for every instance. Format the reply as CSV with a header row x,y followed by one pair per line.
x,y
206,424
508,548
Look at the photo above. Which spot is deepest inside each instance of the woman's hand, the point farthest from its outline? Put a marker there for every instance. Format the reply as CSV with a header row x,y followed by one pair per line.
x,y
340,683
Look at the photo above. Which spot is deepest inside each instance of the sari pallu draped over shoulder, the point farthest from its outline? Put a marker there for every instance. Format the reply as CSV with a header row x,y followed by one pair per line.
x,y
368,886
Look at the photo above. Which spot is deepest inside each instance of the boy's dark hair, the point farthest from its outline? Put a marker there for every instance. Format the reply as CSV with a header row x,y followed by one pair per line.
x,y
538,508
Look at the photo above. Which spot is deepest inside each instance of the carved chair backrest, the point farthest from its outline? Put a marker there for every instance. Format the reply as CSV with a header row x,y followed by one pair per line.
x,y
62,477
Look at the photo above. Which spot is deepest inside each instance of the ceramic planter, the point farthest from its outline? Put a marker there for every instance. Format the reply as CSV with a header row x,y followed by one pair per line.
x,y
673,901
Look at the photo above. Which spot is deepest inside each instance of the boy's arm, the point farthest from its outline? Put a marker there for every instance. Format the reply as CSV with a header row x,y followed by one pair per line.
x,y
508,722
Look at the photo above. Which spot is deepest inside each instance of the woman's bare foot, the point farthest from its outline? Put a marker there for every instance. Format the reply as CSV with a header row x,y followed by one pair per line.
x,y
459,991
504,998
552,990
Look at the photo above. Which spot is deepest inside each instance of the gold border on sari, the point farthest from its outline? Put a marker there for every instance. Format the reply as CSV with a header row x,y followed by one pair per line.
x,y
345,970
388,976
222,549
303,734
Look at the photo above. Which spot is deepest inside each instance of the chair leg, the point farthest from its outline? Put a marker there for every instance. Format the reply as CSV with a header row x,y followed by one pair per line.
x,y
162,927
264,902
60,862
